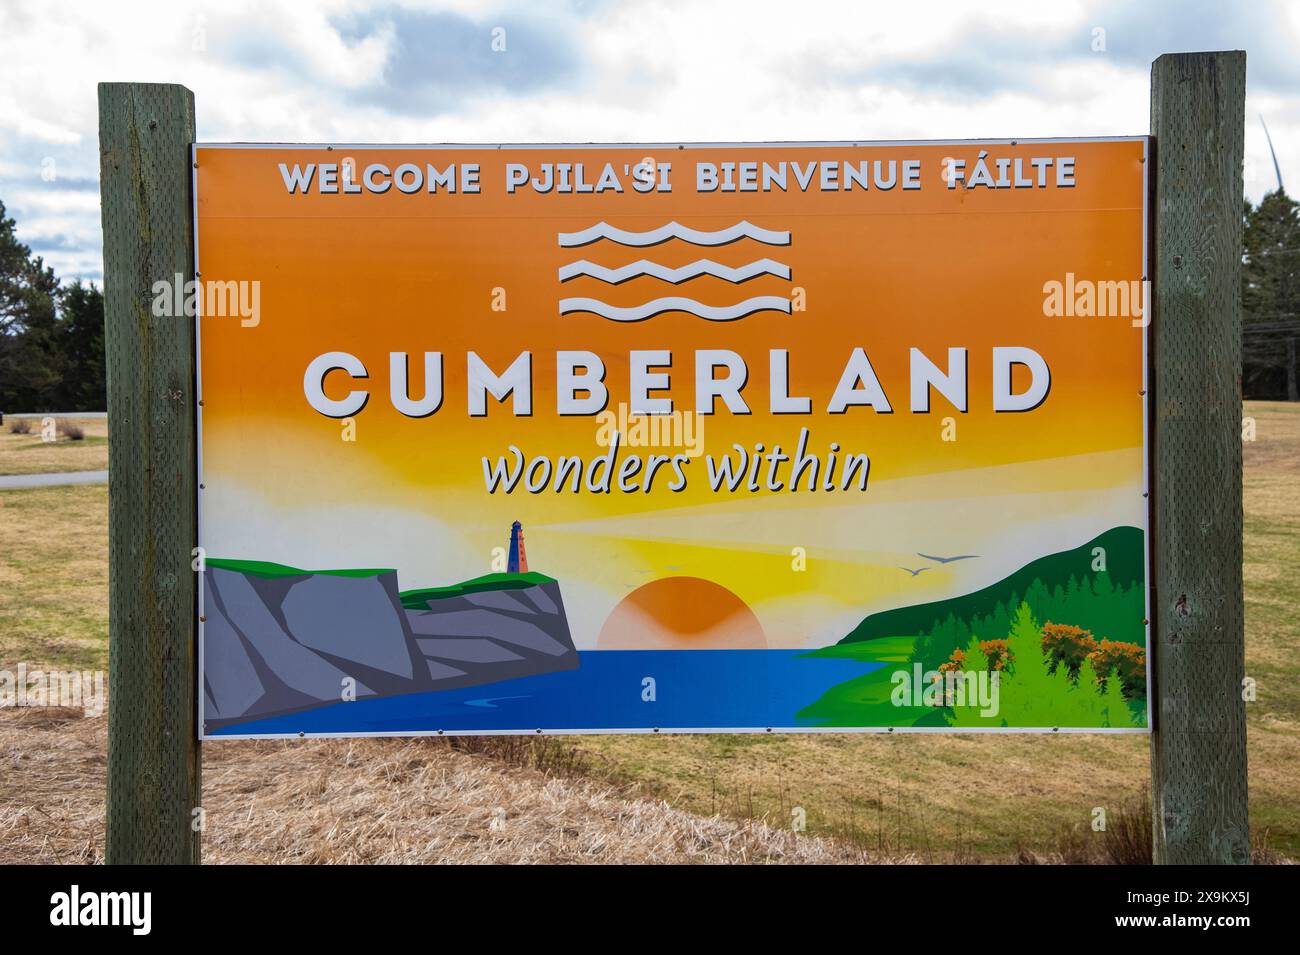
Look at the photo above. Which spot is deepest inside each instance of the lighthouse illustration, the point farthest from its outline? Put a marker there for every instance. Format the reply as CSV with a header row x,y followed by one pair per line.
x,y
518,562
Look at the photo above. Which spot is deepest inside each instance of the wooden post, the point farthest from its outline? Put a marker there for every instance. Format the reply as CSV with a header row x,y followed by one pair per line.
x,y
145,132
1198,743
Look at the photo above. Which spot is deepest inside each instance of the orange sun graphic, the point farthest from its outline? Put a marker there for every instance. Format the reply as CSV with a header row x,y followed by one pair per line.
x,y
681,613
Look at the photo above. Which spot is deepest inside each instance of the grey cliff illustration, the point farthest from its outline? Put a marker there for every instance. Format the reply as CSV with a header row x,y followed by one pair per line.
x,y
279,639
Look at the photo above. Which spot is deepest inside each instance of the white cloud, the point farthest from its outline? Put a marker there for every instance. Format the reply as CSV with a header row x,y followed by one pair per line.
x,y
362,70
14,119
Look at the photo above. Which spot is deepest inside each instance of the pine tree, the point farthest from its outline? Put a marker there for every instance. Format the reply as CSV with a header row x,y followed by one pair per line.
x,y
30,361
81,343
975,662
1270,297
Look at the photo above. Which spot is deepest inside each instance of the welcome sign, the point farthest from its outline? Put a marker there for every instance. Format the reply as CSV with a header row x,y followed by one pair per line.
x,y
728,437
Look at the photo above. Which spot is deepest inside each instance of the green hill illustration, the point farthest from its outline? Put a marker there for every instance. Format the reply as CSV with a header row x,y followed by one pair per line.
x,y
1125,561
419,599
1065,634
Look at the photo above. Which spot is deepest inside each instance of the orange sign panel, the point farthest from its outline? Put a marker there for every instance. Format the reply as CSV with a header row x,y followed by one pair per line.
x,y
814,436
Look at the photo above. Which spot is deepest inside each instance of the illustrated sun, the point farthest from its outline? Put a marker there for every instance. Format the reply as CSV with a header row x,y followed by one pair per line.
x,y
680,613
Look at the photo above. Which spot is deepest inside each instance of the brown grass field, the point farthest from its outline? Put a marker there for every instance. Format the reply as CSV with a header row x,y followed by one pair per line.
x,y
877,798
373,801
29,454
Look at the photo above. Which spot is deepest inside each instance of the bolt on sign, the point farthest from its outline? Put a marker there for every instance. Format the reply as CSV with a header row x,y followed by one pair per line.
x,y
724,437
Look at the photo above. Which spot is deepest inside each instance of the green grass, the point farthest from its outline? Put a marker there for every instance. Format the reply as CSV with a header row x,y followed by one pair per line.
x,y
266,568
411,599
417,599
86,442
865,700
54,577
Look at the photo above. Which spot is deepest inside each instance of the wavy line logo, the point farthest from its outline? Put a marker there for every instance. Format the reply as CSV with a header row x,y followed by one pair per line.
x,y
673,230
675,276
714,313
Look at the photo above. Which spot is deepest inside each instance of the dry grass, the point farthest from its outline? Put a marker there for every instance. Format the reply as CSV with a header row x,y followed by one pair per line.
x,y
54,576
932,798
938,796
1272,556
30,454
51,764
374,801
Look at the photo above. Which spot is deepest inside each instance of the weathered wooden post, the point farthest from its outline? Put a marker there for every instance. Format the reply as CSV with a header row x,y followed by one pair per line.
x,y
1198,743
145,132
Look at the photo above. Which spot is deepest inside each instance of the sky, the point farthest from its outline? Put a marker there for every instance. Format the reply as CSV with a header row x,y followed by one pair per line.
x,y
594,71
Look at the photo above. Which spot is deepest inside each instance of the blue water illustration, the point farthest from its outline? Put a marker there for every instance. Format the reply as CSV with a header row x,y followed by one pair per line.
x,y
693,689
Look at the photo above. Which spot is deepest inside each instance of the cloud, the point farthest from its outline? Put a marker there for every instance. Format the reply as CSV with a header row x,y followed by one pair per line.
x,y
1136,33
983,58
444,62
667,70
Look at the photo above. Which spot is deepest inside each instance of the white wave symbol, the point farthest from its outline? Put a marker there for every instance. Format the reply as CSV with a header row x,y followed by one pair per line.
x,y
714,313
739,274
673,230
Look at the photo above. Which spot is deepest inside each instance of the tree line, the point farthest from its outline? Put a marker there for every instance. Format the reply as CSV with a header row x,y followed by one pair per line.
x,y
52,334
1270,298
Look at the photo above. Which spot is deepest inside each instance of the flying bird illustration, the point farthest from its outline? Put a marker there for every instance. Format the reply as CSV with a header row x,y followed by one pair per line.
x,y
914,572
946,560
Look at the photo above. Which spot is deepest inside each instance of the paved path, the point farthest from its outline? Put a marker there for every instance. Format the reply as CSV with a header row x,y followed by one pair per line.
x,y
33,415
10,481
